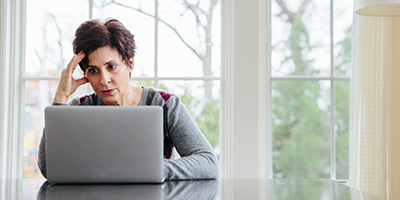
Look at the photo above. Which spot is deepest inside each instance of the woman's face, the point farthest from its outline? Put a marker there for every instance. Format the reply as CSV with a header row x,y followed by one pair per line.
x,y
109,75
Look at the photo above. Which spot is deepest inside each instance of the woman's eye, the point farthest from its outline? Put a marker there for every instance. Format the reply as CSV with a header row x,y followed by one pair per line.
x,y
93,71
112,66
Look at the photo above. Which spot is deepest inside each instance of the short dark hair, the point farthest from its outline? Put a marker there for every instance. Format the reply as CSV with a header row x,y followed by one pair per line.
x,y
93,34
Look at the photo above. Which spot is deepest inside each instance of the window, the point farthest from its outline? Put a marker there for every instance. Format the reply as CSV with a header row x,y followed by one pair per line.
x,y
178,50
310,74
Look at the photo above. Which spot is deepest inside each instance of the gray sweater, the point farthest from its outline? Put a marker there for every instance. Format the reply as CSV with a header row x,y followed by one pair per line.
x,y
197,161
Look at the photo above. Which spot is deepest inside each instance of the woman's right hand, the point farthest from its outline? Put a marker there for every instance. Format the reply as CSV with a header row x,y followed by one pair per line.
x,y
68,84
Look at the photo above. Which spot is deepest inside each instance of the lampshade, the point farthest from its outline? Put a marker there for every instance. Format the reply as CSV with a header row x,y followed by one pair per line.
x,y
378,7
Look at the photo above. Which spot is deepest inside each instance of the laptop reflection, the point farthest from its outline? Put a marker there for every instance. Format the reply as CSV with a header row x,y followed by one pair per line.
x,y
202,189
115,191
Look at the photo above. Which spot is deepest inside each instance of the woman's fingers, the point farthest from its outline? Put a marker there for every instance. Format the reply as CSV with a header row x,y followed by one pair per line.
x,y
68,84
81,81
75,61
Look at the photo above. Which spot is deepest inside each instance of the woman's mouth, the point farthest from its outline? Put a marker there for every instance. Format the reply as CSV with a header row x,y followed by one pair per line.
x,y
107,92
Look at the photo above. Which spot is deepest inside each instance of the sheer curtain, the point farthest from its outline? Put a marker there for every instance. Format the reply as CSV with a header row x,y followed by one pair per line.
x,y
375,107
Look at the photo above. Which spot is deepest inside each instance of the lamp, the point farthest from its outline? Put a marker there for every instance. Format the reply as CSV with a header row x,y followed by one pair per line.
x,y
378,7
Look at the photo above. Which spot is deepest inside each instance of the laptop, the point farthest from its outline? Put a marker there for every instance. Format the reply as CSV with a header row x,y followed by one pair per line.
x,y
104,144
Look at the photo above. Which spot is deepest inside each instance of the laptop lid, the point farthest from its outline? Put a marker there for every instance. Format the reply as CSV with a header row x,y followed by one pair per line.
x,y
104,144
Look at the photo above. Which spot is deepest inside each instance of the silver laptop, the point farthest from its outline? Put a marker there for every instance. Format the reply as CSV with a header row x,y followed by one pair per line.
x,y
104,144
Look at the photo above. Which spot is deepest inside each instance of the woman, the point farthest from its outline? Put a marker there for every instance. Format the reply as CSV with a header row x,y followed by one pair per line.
x,y
105,53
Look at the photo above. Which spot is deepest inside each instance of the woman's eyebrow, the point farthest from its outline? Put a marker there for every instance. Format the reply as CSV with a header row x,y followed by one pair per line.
x,y
105,64
111,62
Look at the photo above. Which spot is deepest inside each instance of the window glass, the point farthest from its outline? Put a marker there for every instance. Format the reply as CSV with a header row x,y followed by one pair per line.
x,y
188,41
301,129
300,38
50,29
343,19
342,99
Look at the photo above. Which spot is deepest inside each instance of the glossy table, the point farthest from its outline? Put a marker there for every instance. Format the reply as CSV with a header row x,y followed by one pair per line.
x,y
222,189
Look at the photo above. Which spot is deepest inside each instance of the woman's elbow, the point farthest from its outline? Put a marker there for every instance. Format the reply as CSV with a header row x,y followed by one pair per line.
x,y
213,167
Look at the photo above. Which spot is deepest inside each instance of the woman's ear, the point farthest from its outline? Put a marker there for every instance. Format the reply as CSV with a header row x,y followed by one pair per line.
x,y
131,64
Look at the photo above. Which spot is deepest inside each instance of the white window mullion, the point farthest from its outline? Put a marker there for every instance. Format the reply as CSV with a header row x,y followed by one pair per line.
x,y
91,9
309,78
91,5
332,111
21,86
156,20
227,109
332,132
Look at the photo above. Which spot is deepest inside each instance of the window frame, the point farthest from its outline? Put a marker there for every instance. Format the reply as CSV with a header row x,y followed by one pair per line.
x,y
332,79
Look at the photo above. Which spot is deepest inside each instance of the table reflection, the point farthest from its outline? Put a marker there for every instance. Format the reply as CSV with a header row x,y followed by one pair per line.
x,y
289,189
223,189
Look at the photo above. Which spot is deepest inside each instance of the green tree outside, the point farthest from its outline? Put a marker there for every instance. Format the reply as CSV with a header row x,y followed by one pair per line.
x,y
301,110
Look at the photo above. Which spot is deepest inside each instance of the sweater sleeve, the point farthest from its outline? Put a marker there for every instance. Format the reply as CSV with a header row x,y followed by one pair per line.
x,y
41,159
198,160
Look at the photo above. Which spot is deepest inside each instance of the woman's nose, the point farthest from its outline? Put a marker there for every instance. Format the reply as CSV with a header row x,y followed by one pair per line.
x,y
105,78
